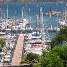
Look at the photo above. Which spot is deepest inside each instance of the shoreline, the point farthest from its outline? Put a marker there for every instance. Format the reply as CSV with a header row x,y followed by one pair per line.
x,y
28,2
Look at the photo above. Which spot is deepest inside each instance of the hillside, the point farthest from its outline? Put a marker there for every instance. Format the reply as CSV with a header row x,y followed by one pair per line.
x,y
3,1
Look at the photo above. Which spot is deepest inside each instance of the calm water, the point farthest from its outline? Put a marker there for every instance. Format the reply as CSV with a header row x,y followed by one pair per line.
x,y
31,9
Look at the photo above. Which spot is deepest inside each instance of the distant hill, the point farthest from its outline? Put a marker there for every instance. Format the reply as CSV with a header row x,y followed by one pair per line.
x,y
4,1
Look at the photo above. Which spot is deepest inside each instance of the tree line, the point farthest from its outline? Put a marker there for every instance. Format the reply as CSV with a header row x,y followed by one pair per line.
x,y
56,57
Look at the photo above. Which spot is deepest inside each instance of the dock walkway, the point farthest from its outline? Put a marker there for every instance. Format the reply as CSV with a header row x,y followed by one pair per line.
x,y
18,51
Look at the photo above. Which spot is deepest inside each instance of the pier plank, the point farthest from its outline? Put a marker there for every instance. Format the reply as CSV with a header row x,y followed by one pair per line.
x,y
18,51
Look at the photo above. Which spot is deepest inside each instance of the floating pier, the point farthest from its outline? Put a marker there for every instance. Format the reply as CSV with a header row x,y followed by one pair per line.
x,y
18,51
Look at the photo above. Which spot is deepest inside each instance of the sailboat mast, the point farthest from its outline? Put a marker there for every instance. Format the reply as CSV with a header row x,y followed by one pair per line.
x,y
65,13
7,11
40,21
0,13
36,23
22,11
42,26
30,21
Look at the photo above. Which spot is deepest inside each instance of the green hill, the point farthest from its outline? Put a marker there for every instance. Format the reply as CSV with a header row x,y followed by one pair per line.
x,y
31,1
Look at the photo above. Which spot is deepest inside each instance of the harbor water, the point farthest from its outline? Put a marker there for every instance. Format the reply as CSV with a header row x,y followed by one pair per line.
x,y
30,10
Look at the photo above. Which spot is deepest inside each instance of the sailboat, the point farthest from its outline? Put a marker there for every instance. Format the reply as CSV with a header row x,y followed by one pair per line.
x,y
36,40
63,21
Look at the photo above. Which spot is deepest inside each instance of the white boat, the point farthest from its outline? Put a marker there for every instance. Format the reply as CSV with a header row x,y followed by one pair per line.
x,y
36,39
62,22
2,33
34,35
25,24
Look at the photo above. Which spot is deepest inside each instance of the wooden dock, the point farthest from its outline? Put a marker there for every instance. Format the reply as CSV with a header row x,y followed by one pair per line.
x,y
18,51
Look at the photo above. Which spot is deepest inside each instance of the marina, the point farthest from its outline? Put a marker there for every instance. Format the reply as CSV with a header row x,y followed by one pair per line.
x,y
27,29
8,49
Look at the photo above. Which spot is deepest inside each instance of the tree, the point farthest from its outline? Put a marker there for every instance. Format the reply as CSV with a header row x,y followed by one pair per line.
x,y
51,60
2,43
57,57
30,58
60,38
61,51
